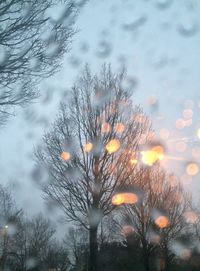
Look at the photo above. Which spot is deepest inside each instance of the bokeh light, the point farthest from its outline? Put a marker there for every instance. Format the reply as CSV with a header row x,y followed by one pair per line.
x,y
105,127
65,155
192,169
127,230
155,153
124,198
162,221
113,145
88,147
119,127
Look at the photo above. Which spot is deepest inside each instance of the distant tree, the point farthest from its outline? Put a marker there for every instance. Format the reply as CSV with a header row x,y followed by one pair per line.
x,y
157,219
76,242
40,234
89,149
31,46
9,221
57,257
32,241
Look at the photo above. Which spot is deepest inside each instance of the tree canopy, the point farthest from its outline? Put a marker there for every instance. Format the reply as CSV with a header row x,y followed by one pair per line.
x,y
32,42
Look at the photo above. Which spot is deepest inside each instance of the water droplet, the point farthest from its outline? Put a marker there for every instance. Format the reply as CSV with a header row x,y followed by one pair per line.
x,y
188,28
138,22
104,49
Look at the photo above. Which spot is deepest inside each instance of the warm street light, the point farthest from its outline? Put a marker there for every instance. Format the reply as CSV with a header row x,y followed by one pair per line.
x,y
125,196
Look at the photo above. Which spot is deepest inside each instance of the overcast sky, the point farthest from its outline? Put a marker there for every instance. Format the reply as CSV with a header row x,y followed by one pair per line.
x,y
158,42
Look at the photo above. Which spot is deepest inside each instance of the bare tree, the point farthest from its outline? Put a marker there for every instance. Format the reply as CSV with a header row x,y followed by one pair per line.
x,y
9,221
158,218
32,243
40,233
31,46
76,242
58,257
89,149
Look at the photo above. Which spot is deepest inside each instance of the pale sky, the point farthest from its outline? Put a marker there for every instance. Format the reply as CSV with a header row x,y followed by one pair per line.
x,y
158,42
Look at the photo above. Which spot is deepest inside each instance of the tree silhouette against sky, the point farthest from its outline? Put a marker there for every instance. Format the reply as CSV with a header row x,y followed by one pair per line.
x,y
91,149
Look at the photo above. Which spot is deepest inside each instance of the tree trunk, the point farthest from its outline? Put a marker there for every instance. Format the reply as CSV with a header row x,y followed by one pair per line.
x,y
146,263
93,248
2,262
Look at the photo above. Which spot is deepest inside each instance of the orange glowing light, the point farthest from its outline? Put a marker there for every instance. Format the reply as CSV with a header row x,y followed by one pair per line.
x,y
124,198
113,145
192,169
88,147
119,127
149,157
127,230
159,150
105,127
162,221
133,161
65,155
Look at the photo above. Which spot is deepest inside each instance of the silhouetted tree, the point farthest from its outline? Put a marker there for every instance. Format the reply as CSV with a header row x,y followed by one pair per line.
x,y
31,46
9,221
89,149
57,257
163,198
31,244
76,242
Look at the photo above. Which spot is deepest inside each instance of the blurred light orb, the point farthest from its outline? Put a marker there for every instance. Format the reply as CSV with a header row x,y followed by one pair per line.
x,y
65,155
127,230
162,221
149,157
192,169
113,145
119,127
88,147
105,127
124,198
133,161
159,150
